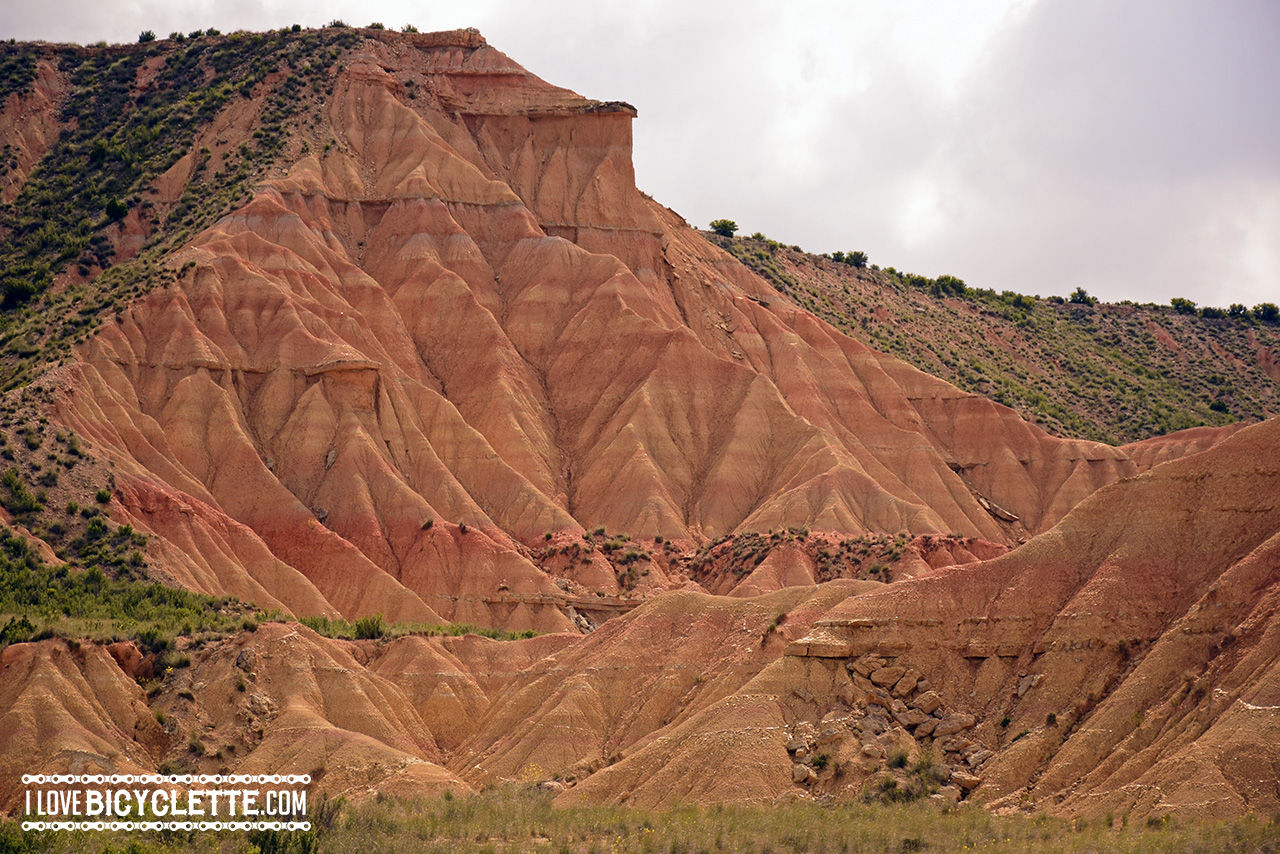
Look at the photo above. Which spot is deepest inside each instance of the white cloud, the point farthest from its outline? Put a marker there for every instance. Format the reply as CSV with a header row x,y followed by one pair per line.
x,y
1129,146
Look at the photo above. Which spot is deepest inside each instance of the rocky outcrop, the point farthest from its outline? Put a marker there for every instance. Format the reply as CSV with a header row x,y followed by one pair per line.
x,y
1119,650
452,325
1123,662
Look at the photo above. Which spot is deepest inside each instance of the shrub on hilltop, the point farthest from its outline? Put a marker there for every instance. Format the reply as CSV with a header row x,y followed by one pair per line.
x,y
724,227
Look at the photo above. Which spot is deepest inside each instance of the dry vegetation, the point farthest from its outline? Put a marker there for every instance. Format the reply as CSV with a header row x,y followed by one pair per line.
x,y
521,819
870,557
1110,372
133,113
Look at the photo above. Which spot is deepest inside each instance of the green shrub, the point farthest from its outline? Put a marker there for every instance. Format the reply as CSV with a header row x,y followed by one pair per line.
x,y
951,285
370,627
1081,297
724,227
17,630
853,259
20,502
152,640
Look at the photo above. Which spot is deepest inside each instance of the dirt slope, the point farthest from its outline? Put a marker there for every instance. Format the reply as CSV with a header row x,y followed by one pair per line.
x,y
1123,662
1144,623
358,717
70,711
28,125
1113,372
446,353
634,678
449,324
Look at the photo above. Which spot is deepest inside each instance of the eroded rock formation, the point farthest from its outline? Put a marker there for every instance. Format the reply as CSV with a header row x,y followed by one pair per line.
x,y
448,341
452,324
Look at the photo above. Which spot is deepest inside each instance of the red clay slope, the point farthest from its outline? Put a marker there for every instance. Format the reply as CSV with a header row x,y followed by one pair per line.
x,y
1133,648
457,307
281,699
1123,662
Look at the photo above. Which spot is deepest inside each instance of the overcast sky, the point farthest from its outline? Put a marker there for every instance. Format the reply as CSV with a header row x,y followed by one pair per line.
x,y
1131,147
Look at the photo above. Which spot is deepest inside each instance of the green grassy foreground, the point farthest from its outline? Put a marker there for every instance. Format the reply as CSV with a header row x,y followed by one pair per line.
x,y
523,820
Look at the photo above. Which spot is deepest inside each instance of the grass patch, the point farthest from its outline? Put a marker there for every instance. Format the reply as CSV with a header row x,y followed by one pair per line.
x,y
520,820
511,819
89,603
373,626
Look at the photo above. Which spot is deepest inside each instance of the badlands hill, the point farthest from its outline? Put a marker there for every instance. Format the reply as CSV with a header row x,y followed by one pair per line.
x,y
435,322
347,323
1122,663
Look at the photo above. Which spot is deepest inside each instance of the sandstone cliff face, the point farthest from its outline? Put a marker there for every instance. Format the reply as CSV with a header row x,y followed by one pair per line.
x,y
1122,662
1131,648
451,324
75,711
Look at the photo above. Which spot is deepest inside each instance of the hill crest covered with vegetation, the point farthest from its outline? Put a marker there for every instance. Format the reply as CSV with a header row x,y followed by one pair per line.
x,y
1111,372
